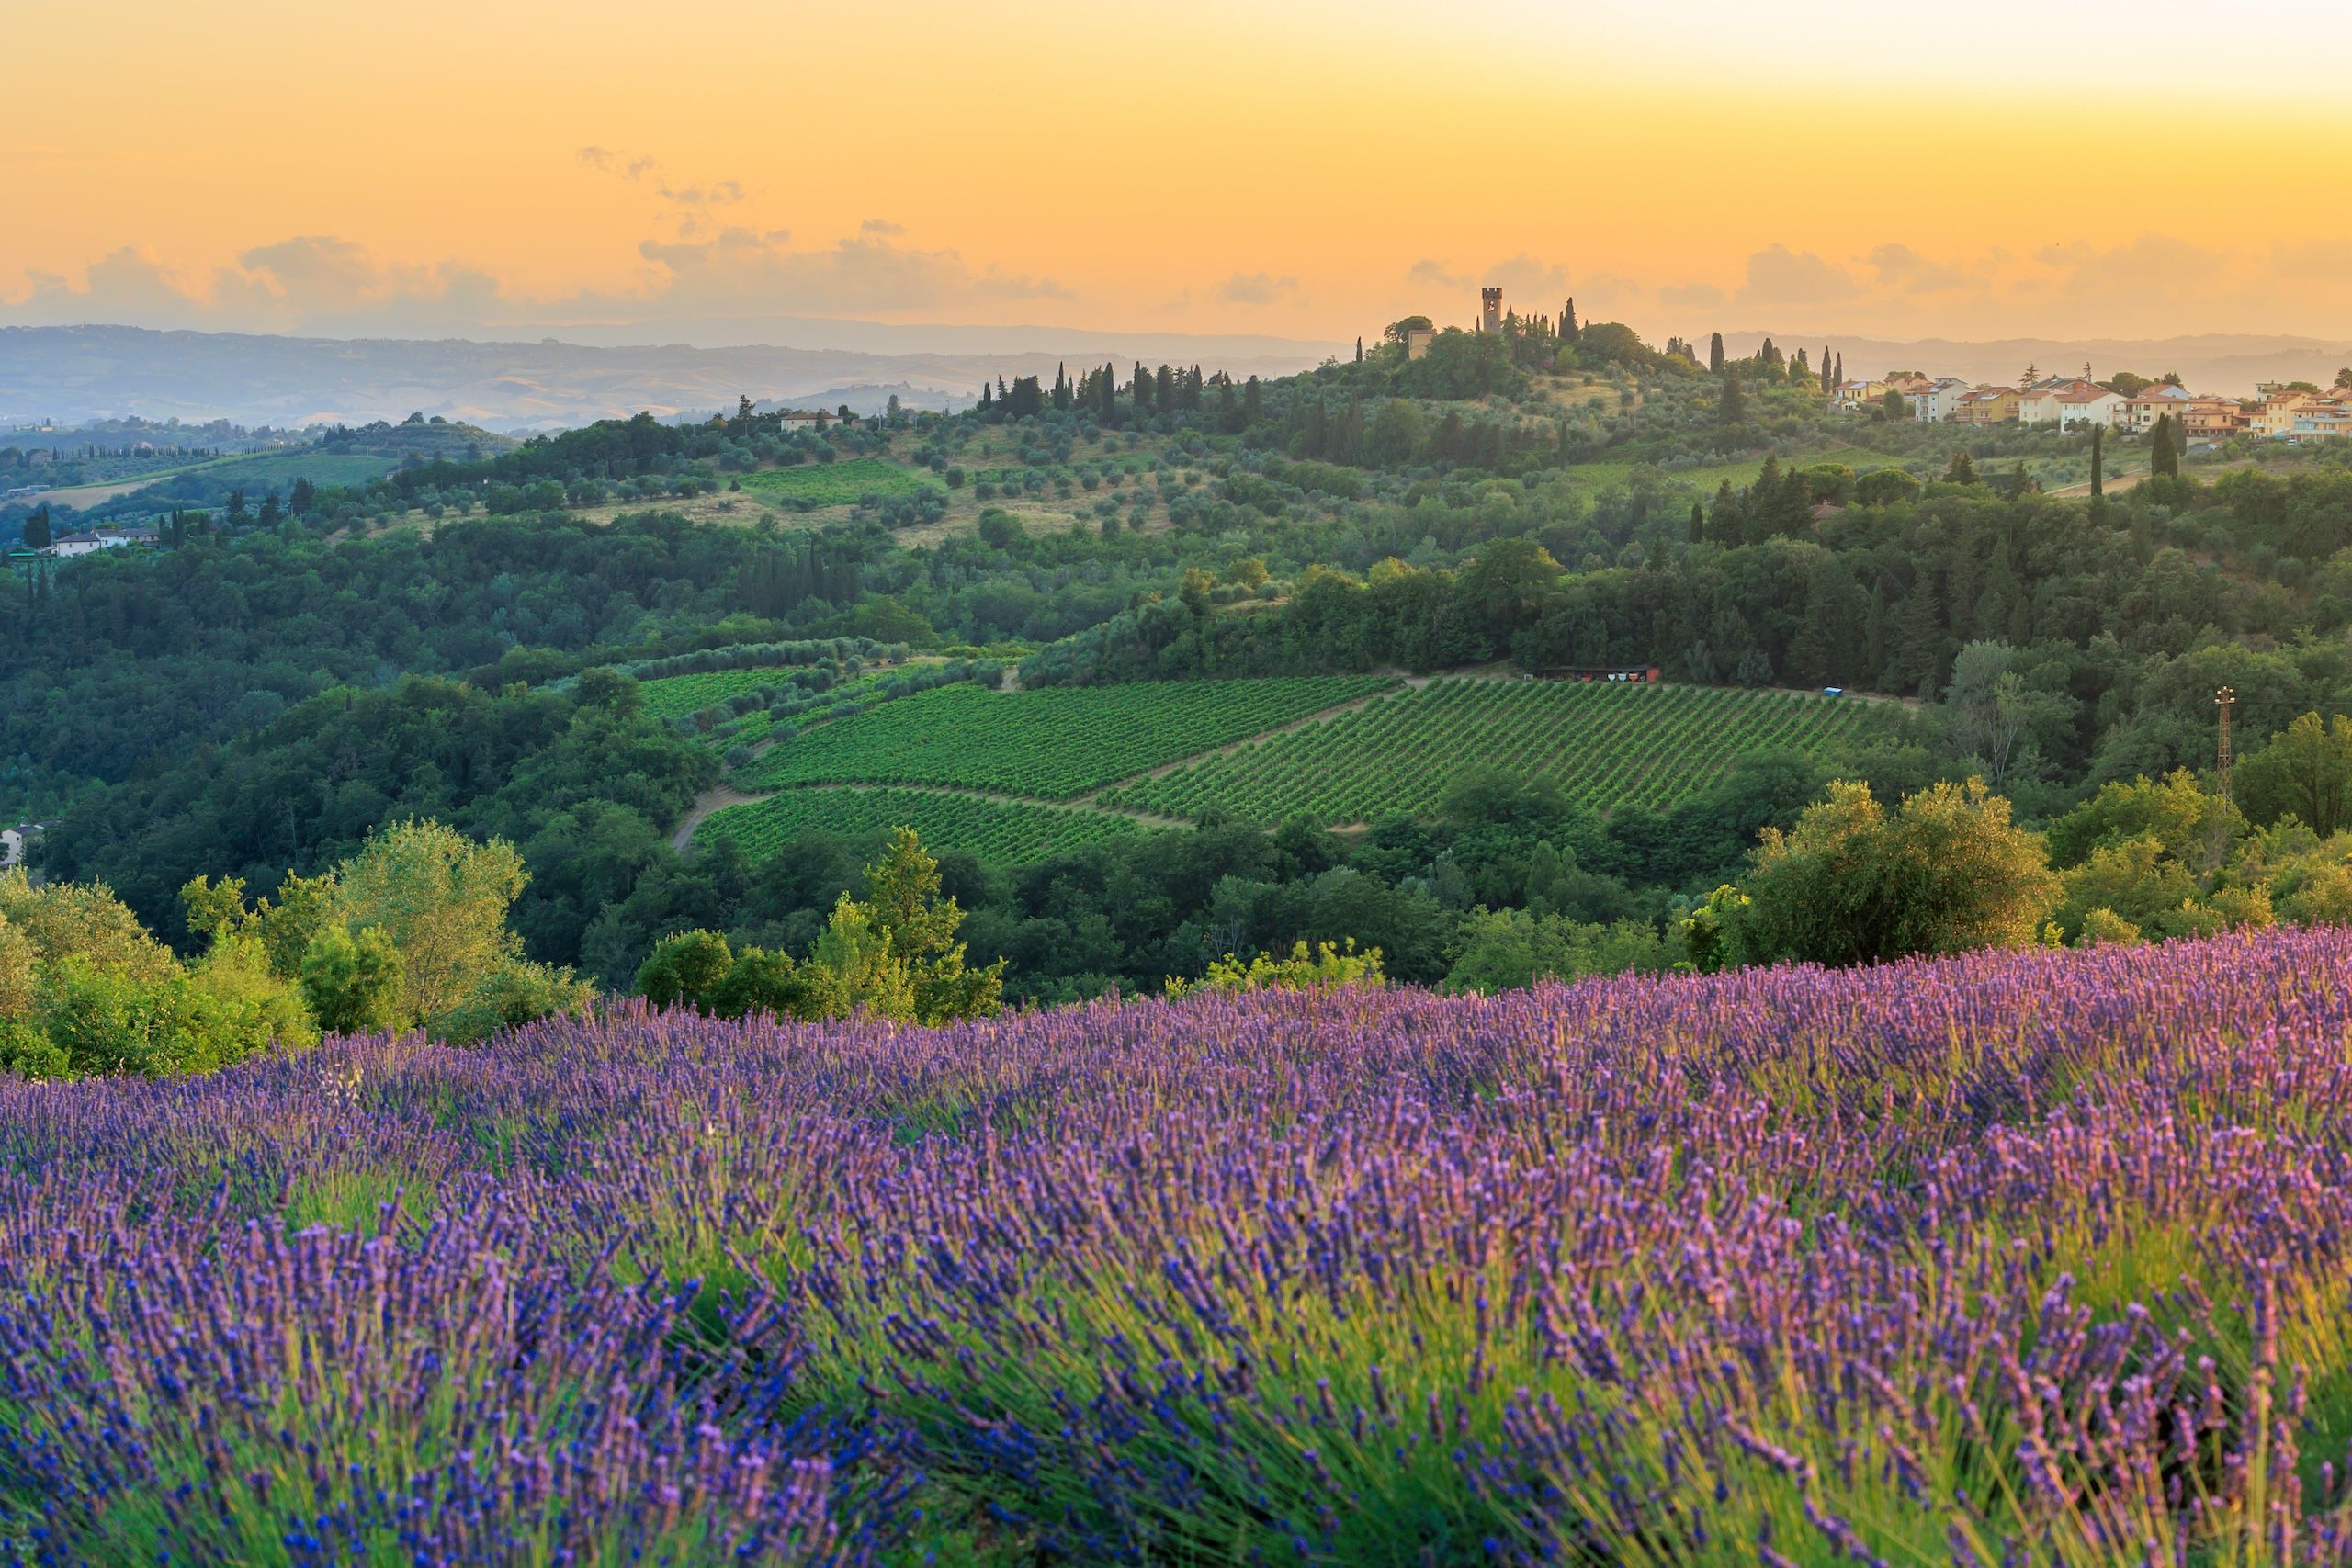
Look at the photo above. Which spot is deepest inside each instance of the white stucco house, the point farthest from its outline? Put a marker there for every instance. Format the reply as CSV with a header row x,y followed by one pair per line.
x,y
2090,404
1940,402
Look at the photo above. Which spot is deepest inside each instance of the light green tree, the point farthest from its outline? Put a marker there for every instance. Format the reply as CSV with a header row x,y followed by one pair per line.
x,y
1850,883
441,899
2307,770
353,982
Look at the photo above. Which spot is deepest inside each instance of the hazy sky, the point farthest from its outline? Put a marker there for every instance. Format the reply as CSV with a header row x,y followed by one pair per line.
x,y
2005,167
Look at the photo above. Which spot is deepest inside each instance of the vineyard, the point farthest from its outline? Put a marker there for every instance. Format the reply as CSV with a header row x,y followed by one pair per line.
x,y
675,696
1000,832
836,484
1055,743
1605,745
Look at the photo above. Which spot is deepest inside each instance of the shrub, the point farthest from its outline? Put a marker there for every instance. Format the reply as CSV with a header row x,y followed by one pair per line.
x,y
515,993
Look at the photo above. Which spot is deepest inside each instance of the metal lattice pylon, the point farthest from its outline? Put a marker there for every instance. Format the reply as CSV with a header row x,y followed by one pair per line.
x,y
2225,699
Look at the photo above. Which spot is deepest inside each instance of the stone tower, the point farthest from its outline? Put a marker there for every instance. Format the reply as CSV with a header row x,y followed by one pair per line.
x,y
1490,310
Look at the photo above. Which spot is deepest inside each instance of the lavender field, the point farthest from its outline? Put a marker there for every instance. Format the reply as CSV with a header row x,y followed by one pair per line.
x,y
2035,1257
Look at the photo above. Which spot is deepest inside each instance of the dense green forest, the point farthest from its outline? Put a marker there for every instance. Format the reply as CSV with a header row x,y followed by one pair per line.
x,y
452,639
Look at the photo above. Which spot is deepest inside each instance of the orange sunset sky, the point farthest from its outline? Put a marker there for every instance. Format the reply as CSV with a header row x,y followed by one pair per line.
x,y
2147,168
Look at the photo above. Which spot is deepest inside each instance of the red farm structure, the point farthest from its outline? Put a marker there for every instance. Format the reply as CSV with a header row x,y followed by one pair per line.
x,y
1638,674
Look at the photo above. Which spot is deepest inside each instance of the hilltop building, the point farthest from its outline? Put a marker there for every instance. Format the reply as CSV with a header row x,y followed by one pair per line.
x,y
1490,310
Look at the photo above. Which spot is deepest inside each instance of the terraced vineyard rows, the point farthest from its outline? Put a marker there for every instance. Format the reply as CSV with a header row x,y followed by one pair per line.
x,y
675,696
1606,745
1054,743
1000,832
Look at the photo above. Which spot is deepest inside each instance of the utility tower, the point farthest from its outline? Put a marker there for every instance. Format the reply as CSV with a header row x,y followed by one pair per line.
x,y
2225,699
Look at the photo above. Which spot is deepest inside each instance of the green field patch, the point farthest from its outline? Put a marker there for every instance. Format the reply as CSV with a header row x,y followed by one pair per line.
x,y
1053,743
1000,832
675,696
259,475
845,484
1605,745
1738,473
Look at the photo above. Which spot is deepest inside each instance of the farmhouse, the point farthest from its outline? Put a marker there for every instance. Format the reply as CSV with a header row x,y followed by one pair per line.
x,y
1989,405
2141,413
1939,400
1851,396
2212,418
1639,674
2321,417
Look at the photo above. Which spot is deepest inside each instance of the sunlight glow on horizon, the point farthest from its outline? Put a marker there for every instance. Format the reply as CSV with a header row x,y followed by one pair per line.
x,y
1310,173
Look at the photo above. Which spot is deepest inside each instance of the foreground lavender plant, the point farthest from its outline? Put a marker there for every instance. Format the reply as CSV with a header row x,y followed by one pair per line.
x,y
2035,1257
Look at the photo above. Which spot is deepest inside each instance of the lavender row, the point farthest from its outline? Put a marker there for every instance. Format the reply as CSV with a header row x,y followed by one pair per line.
x,y
2011,1257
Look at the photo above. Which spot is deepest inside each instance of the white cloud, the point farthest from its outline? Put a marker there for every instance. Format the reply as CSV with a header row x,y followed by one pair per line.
x,y
742,270
1605,291
1428,274
1901,268
1778,276
1692,296
1257,288
2152,265
2330,259
1522,277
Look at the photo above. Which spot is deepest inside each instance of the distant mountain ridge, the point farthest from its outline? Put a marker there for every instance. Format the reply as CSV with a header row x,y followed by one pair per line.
x,y
72,375
2226,363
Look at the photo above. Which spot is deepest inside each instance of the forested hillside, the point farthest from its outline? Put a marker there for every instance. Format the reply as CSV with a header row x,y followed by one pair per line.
x,y
590,644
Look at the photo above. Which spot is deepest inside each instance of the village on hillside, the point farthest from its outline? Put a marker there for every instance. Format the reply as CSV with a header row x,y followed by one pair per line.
x,y
2292,412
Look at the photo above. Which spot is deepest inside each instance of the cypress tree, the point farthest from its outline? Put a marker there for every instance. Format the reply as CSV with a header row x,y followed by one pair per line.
x,y
1731,407
1840,377
1359,348
1828,385
2098,476
1698,523
1716,354
1568,328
